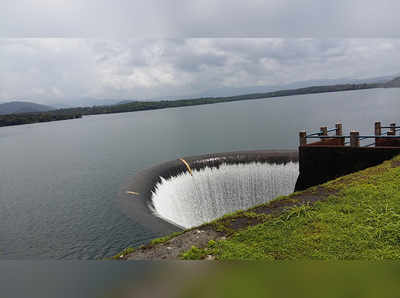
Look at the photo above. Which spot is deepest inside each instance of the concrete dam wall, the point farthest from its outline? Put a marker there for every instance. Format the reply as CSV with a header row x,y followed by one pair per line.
x,y
319,164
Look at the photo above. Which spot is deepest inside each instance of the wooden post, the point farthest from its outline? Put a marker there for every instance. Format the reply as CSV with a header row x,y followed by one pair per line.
x,y
378,132
354,140
378,129
302,137
339,130
324,132
393,129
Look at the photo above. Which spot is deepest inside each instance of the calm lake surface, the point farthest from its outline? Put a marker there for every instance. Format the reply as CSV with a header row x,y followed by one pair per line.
x,y
59,180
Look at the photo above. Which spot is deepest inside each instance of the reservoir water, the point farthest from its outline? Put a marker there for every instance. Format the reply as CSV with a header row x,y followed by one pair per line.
x,y
59,180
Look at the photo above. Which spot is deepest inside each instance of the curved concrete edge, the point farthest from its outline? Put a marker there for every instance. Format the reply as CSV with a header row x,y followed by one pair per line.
x,y
137,204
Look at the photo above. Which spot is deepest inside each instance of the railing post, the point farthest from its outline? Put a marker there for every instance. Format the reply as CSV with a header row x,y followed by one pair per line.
x,y
339,130
324,131
378,132
378,129
302,138
392,129
354,139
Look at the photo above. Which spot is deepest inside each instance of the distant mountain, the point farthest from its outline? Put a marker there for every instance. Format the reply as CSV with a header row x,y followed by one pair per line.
x,y
232,91
16,107
85,102
395,83
131,106
388,81
124,102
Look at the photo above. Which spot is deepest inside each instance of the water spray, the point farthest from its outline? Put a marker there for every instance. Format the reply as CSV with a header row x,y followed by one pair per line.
x,y
190,200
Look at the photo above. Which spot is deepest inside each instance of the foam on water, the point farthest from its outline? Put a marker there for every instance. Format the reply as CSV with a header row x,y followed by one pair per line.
x,y
189,201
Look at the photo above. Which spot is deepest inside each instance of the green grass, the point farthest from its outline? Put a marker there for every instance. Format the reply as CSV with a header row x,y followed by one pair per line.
x,y
164,239
153,242
123,253
361,220
194,253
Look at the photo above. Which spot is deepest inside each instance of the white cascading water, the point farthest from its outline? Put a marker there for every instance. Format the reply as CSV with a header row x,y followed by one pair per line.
x,y
189,201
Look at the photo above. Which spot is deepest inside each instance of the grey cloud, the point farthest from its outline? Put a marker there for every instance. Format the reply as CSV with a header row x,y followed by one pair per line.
x,y
187,57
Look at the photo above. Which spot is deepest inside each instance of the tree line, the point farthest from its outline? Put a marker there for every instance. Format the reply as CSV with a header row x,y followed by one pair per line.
x,y
78,112
27,118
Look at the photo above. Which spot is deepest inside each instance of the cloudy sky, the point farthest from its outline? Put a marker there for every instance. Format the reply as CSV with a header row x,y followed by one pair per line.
x,y
66,52
199,18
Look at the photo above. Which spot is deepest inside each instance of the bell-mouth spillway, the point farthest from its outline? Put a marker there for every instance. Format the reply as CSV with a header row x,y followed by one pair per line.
x,y
189,191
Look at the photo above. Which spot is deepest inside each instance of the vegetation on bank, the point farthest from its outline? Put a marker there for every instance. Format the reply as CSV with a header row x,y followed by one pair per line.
x,y
28,118
152,105
153,242
71,113
359,219
355,217
123,253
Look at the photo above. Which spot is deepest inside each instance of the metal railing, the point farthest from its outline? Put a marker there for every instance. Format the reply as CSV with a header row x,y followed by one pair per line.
x,y
354,137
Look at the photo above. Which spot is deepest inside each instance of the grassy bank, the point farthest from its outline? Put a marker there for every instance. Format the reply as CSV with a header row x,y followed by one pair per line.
x,y
354,217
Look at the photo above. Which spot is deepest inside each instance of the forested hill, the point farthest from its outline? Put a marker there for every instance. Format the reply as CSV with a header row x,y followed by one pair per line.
x,y
70,113
28,118
15,107
151,105
395,83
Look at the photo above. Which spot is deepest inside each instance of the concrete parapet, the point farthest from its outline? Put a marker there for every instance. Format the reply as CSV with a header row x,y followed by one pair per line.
x,y
319,164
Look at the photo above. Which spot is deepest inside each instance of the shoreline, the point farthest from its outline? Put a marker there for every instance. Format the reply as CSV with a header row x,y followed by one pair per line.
x,y
134,106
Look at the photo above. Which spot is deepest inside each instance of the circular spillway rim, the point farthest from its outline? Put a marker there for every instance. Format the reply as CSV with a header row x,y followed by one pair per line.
x,y
193,199
144,181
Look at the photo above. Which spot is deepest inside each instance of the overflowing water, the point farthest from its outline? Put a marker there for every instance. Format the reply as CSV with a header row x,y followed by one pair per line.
x,y
189,201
